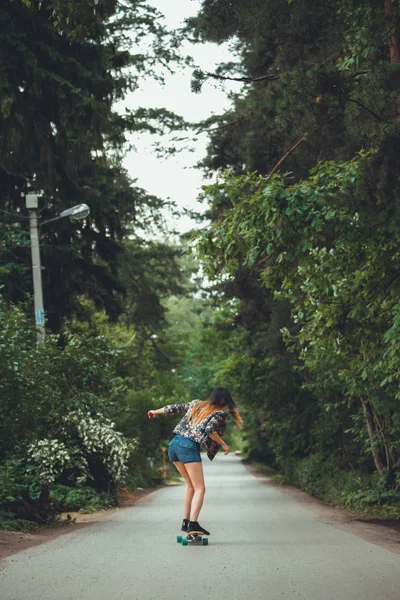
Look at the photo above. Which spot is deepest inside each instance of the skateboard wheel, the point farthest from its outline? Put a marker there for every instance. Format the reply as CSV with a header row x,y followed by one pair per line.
x,y
179,539
199,538
205,542
185,542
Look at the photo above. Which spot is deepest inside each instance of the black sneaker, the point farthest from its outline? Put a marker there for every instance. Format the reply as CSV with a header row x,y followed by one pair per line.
x,y
185,524
194,527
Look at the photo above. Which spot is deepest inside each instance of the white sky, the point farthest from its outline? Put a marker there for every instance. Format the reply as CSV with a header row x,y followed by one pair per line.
x,y
175,177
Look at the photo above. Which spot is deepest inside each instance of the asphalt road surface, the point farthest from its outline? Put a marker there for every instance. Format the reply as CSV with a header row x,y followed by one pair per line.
x,y
263,545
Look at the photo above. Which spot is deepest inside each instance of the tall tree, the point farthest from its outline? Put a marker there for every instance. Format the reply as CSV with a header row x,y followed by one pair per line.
x,y
63,66
319,82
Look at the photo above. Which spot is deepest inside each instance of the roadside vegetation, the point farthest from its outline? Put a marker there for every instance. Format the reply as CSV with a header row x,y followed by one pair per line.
x,y
304,237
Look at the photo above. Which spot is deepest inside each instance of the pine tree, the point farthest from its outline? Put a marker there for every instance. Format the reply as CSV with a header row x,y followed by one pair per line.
x,y
63,66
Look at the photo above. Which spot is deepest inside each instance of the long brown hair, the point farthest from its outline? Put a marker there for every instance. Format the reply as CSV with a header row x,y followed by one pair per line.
x,y
220,399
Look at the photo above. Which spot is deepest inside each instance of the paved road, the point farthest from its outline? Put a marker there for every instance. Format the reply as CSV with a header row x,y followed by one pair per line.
x,y
264,546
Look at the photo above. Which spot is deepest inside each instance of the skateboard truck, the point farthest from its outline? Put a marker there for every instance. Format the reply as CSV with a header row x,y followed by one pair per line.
x,y
194,537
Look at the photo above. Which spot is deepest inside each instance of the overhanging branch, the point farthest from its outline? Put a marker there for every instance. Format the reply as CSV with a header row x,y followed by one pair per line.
x,y
290,151
211,129
273,77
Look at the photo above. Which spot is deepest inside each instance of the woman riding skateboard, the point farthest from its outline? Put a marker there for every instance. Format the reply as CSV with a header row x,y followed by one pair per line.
x,y
204,423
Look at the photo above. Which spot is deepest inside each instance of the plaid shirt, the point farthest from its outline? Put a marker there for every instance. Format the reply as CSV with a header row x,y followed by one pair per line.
x,y
200,433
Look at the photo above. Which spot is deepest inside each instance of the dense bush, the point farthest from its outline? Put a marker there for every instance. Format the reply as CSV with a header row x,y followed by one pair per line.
x,y
56,400
40,385
83,499
354,490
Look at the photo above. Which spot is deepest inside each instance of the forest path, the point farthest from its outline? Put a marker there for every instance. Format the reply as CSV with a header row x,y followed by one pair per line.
x,y
264,545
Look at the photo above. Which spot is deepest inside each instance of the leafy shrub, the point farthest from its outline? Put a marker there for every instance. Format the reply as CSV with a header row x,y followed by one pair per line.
x,y
83,499
143,477
353,490
41,385
9,522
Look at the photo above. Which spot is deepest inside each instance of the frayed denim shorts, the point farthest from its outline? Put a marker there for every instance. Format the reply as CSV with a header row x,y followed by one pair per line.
x,y
184,450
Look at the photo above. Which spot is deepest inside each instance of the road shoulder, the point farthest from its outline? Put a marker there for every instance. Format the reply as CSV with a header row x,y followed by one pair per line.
x,y
377,531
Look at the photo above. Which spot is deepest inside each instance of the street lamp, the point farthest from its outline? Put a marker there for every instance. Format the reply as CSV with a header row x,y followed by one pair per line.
x,y
81,211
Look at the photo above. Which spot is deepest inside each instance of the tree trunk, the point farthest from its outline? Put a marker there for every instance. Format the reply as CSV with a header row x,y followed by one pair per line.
x,y
391,27
369,418
38,510
393,43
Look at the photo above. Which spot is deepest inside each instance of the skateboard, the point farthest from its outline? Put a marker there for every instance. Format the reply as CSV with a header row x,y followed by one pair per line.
x,y
195,538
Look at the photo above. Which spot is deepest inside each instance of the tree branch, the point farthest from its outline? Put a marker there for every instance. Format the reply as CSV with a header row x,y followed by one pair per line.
x,y
17,175
371,112
290,151
244,79
220,126
262,260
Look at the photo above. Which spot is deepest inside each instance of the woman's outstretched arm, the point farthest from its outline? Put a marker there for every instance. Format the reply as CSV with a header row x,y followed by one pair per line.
x,y
171,409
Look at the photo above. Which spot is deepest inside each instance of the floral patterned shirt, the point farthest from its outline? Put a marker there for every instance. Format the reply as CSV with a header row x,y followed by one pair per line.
x,y
199,433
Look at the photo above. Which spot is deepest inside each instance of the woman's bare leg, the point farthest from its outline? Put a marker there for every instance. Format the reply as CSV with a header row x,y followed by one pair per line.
x,y
196,475
189,492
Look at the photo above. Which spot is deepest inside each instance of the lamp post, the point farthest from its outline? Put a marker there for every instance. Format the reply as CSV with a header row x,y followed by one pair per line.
x,y
81,211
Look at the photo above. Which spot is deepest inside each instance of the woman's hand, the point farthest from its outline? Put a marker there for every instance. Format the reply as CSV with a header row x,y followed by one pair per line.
x,y
226,449
214,436
154,413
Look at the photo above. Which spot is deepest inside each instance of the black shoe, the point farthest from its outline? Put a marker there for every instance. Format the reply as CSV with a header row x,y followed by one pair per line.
x,y
185,524
196,528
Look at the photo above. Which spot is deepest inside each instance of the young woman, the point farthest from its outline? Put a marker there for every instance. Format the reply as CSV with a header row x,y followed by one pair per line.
x,y
204,423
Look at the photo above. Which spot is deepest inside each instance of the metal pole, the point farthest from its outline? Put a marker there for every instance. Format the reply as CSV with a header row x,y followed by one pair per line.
x,y
32,204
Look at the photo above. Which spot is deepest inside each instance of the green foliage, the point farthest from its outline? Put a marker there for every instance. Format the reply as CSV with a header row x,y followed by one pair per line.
x,y
11,474
310,257
83,499
87,449
51,406
64,65
301,320
320,70
8,522
334,262
143,476
13,237
41,385
60,400
20,491
353,490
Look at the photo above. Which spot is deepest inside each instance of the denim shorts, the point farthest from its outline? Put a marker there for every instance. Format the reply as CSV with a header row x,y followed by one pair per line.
x,y
184,450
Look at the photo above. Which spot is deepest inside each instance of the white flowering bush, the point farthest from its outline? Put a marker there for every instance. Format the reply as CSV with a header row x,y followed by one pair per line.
x,y
98,436
88,441
51,458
